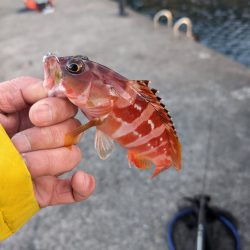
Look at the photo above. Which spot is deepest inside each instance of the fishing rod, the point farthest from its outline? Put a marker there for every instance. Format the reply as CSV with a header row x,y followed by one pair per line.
x,y
202,201
199,220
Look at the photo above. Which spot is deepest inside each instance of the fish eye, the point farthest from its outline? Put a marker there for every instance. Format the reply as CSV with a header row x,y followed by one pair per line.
x,y
75,67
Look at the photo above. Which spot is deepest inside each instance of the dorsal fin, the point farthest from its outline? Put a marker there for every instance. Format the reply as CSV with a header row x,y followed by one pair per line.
x,y
147,93
154,90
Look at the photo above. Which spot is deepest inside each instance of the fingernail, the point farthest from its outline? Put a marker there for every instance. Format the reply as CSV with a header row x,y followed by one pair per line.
x,y
21,142
43,113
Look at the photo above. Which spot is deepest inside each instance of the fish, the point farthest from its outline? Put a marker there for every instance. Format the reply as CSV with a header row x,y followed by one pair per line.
x,y
124,111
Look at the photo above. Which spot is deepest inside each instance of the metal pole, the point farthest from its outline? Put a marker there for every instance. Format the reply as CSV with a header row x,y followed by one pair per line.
x,y
201,224
122,8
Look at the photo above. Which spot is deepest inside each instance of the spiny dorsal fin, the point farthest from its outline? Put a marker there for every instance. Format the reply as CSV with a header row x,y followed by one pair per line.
x,y
143,82
154,90
150,97
142,89
147,93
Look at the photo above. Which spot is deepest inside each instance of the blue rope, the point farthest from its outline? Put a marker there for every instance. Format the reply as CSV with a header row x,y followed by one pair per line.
x,y
171,224
233,230
187,211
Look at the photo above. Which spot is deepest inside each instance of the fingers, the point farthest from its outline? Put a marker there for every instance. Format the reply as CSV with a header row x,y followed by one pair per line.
x,y
9,122
12,122
78,188
50,190
19,93
51,111
38,138
82,185
52,162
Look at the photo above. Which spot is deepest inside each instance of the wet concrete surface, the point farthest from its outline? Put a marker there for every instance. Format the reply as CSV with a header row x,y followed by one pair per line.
x,y
128,210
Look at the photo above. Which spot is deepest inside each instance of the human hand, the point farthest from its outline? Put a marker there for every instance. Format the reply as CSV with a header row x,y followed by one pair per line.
x,y
37,125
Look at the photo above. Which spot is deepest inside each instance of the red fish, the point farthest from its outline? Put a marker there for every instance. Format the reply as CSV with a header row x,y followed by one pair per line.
x,y
125,111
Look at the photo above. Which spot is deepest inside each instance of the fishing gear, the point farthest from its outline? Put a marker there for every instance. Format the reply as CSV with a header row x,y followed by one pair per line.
x,y
199,226
202,227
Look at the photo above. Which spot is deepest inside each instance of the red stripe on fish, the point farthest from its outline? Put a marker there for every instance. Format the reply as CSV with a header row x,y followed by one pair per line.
x,y
126,139
110,124
142,134
127,128
152,144
131,112
142,140
162,149
149,125
143,129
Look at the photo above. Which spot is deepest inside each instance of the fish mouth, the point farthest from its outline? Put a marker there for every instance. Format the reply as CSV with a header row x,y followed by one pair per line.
x,y
53,75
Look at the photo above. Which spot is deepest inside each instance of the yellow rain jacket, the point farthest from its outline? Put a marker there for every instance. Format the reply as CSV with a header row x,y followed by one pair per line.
x,y
17,198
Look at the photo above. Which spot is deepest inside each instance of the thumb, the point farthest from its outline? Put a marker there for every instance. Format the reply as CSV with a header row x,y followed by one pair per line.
x,y
20,92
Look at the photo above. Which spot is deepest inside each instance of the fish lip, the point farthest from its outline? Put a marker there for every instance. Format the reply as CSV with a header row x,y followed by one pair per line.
x,y
48,55
53,75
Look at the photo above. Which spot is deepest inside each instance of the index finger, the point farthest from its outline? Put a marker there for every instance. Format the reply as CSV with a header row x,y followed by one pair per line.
x,y
20,92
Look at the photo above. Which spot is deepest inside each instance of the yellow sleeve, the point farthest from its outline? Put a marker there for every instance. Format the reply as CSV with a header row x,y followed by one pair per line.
x,y
17,199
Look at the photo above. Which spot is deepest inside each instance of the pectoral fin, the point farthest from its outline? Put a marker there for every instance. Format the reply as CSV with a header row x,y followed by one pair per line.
x,y
74,136
103,144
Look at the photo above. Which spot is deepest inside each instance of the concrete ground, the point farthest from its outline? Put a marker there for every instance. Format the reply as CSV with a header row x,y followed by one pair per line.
x,y
128,210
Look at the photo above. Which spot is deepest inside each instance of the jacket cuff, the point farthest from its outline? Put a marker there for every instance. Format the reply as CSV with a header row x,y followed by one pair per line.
x,y
17,199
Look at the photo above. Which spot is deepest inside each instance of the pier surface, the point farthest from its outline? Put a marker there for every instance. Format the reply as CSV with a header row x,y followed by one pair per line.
x,y
199,87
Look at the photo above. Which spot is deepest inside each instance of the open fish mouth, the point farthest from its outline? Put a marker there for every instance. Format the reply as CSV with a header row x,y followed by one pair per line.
x,y
53,75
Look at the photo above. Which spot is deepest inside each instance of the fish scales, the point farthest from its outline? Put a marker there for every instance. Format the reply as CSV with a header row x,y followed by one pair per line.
x,y
125,111
143,140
